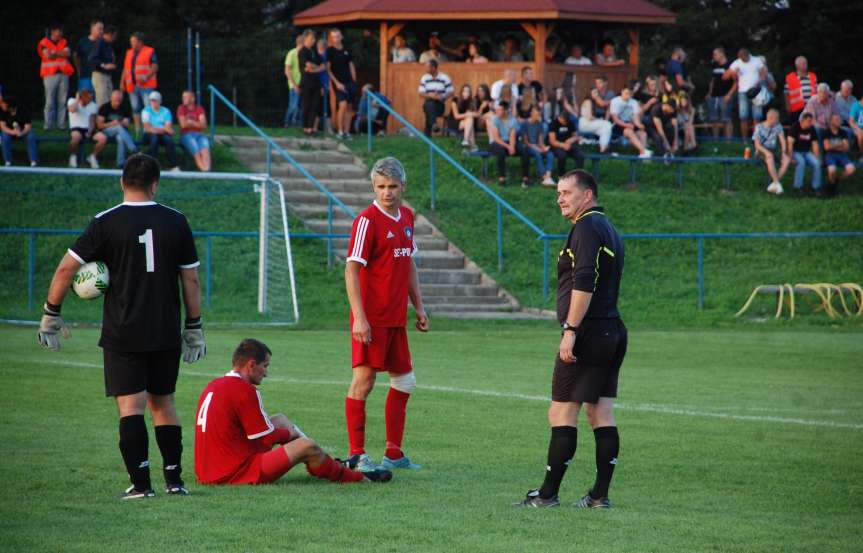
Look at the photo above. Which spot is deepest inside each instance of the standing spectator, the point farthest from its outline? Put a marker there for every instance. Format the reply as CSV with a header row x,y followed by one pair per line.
x,y
508,81
503,139
803,145
510,50
799,87
768,138
104,63
401,52
343,75
113,121
822,107
158,129
663,127
626,115
564,142
465,115
474,55
86,55
527,80
82,127
534,146
371,110
435,87
607,57
15,124
686,121
845,100
589,122
601,96
835,141
747,70
293,74
193,129
140,67
322,119
855,119
676,70
577,57
55,70
310,82
720,91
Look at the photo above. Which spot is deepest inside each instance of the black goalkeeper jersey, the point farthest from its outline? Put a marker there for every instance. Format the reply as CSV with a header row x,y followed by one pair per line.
x,y
144,245
591,261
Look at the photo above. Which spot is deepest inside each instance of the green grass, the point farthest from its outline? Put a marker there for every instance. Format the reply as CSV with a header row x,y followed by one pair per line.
x,y
688,480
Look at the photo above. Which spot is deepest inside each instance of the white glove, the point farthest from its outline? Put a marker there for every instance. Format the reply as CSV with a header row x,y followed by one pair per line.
x,y
194,347
51,324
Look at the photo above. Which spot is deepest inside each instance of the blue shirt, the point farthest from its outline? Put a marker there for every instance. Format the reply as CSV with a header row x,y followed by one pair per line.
x,y
157,119
504,128
532,131
857,114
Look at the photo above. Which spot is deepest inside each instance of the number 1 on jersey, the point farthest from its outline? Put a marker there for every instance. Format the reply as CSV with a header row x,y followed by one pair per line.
x,y
202,413
147,240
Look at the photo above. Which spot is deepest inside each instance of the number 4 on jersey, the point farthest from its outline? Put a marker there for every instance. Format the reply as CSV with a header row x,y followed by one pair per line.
x,y
147,240
202,413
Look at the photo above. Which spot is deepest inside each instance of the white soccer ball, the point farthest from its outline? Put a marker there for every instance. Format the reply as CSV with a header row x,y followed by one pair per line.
x,y
91,280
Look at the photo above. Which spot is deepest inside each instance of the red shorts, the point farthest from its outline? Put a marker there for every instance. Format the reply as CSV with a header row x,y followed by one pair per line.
x,y
265,468
388,350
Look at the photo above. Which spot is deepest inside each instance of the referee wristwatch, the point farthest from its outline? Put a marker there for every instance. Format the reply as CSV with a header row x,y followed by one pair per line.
x,y
566,326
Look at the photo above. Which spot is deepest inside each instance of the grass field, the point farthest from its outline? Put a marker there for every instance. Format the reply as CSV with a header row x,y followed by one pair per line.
x,y
731,441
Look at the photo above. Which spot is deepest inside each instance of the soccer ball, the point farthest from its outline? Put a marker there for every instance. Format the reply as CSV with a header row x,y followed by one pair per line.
x,y
91,280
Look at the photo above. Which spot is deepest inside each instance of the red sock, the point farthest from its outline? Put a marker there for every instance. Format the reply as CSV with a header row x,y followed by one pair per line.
x,y
355,415
396,406
334,471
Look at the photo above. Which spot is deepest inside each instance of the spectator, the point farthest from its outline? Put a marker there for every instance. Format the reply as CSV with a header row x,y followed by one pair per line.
x,y
799,87
158,129
768,138
647,96
343,75
720,91
855,119
293,74
564,142
577,57
803,145
15,124
601,96
483,105
626,115
55,70
322,116
560,103
193,129
822,107
401,52
524,106
310,81
104,63
607,57
508,81
534,146
375,112
510,50
474,55
590,122
528,80
465,114
82,127
503,140
835,141
747,70
845,100
437,51
140,68
113,120
767,86
686,122
435,87
86,54
676,70
663,127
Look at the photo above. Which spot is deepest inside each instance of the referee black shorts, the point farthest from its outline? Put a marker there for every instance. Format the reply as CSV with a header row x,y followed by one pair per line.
x,y
600,346
128,373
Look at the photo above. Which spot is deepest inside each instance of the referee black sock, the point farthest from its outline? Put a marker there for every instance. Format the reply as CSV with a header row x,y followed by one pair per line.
x,y
607,448
561,450
134,446
170,440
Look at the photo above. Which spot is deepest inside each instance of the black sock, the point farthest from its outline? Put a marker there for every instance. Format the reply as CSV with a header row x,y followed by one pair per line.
x,y
134,445
170,440
561,450
607,448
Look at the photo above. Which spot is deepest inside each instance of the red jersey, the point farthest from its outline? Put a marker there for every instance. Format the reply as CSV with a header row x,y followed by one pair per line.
x,y
384,245
230,420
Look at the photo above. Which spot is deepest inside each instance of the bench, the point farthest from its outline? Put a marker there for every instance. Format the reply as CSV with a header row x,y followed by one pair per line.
x,y
112,140
678,161
824,291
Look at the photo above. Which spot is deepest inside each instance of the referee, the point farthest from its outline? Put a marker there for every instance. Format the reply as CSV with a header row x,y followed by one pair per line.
x,y
592,345
148,249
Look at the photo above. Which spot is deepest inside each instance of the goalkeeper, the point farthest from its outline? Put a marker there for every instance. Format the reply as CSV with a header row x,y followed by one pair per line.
x,y
149,251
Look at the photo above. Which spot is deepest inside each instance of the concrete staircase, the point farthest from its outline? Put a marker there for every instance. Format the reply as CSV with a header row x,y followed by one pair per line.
x,y
451,284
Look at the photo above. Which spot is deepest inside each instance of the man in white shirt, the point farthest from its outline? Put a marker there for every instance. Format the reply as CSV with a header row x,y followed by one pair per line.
x,y
497,87
401,52
747,70
626,115
577,57
82,126
435,88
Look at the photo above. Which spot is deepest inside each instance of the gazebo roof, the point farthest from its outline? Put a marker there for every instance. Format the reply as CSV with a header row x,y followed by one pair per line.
x,y
624,11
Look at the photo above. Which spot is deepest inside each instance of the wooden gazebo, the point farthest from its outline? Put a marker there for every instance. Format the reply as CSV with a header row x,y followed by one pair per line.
x,y
538,18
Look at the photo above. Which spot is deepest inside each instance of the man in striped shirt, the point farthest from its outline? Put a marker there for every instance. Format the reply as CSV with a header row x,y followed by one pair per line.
x,y
435,88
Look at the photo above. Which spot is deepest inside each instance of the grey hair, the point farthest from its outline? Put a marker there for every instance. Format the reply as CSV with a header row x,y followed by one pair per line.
x,y
848,82
798,59
390,168
823,87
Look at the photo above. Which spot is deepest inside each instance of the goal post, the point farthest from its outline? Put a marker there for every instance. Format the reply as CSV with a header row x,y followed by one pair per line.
x,y
277,291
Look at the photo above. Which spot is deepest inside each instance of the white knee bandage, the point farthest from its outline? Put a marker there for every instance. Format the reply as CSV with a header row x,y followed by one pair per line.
x,y
406,383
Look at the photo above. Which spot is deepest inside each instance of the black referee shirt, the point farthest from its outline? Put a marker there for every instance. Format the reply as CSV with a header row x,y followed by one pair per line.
x,y
591,261
144,245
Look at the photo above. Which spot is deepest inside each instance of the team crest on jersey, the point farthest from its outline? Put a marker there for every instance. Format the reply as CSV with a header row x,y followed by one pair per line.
x,y
408,232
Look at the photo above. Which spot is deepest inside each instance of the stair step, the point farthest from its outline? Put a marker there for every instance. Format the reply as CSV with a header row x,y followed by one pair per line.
x,y
336,186
281,171
439,260
288,143
465,300
315,196
343,226
463,307
449,276
460,290
319,211
258,153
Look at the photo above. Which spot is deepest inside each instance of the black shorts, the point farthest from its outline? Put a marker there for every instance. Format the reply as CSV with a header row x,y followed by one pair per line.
x,y
350,93
600,346
129,373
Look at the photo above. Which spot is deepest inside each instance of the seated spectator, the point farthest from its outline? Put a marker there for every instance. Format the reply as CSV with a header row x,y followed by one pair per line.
x,y
527,80
474,55
844,100
769,140
626,116
822,107
747,71
503,139
464,115
607,57
647,96
401,52
435,87
510,50
686,121
82,127
483,105
375,112
534,146
663,127
564,142
590,122
577,57
158,129
720,91
113,120
676,70
560,103
16,124
506,83
855,120
803,145
525,105
601,96
193,129
835,142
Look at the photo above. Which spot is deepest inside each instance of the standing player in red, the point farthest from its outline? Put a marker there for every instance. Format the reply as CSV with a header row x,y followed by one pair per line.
x,y
234,436
380,276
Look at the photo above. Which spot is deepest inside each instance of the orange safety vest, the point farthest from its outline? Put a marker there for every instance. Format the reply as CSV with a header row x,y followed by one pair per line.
x,y
141,69
50,66
796,102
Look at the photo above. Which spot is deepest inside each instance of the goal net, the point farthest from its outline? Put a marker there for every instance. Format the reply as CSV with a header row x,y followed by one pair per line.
x,y
277,291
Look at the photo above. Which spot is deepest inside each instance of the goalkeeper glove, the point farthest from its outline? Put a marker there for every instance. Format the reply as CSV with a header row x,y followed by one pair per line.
x,y
50,325
194,348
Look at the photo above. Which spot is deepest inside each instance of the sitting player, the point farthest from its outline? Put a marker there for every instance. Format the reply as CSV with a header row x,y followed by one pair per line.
x,y
234,437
